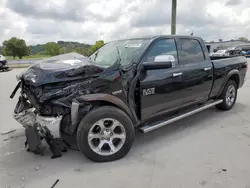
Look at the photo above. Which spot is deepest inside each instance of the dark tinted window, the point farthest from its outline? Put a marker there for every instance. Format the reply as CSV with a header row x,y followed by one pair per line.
x,y
190,51
162,47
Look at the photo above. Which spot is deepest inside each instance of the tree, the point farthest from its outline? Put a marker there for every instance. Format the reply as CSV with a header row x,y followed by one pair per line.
x,y
4,52
62,50
98,44
82,51
52,48
243,39
22,49
15,47
220,40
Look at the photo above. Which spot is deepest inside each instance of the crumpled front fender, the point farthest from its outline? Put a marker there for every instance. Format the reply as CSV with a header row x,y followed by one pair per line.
x,y
77,102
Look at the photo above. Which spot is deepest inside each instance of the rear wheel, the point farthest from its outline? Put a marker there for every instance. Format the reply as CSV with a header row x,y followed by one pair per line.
x,y
105,134
229,96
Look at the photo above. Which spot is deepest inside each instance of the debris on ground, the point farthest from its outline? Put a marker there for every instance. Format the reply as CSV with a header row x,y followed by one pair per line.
x,y
222,170
203,182
22,186
78,170
13,137
8,132
37,168
55,183
22,178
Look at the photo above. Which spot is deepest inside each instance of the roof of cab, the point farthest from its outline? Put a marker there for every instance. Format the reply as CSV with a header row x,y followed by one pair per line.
x,y
161,36
154,37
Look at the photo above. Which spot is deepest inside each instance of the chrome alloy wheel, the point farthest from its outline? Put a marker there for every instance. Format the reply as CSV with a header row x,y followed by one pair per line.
x,y
106,136
230,95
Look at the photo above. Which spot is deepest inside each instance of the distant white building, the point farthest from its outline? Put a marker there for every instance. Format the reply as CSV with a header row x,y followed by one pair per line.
x,y
211,46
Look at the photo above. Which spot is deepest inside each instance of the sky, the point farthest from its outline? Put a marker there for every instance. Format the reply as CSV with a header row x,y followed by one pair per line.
x,y
40,21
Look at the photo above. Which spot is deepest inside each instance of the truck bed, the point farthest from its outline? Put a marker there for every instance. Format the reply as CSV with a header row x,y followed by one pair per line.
x,y
222,68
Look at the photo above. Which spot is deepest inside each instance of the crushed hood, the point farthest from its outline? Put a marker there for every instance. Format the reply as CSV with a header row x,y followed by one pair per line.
x,y
61,68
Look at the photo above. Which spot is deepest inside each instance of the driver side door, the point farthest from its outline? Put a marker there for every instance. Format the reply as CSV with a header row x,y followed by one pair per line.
x,y
161,89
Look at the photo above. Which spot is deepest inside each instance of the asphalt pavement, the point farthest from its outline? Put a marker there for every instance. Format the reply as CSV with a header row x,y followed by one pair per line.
x,y
209,149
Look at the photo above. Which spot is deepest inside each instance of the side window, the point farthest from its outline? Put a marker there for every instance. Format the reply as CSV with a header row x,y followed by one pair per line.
x,y
190,51
162,47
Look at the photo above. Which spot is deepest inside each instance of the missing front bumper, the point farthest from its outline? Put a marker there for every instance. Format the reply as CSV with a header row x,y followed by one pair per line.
x,y
28,118
38,128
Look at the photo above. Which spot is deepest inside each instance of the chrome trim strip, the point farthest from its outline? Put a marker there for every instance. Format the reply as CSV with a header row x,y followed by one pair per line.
x,y
149,128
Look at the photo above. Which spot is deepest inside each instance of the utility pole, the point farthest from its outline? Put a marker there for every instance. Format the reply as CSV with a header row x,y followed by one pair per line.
x,y
173,17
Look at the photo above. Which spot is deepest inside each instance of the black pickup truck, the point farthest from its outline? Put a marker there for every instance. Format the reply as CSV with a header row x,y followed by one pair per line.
x,y
126,85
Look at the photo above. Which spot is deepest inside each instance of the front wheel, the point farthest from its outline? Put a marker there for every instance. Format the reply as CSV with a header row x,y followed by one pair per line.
x,y
229,96
105,134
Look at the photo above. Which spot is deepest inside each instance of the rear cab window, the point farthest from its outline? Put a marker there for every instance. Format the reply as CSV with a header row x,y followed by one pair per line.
x,y
190,51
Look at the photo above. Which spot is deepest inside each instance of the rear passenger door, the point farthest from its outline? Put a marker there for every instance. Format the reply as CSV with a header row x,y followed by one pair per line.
x,y
196,70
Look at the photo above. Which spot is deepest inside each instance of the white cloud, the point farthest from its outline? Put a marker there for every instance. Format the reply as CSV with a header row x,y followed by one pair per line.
x,y
90,20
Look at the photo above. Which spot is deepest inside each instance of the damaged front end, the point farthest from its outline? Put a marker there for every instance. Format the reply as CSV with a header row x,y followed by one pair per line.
x,y
39,127
47,103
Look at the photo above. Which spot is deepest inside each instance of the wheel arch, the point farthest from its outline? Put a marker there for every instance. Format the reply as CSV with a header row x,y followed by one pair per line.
x,y
236,78
100,99
232,75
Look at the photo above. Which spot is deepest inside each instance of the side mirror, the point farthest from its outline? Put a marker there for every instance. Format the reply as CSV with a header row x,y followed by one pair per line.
x,y
160,62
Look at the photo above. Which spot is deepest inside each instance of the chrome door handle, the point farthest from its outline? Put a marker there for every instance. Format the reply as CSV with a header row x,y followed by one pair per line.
x,y
177,74
207,68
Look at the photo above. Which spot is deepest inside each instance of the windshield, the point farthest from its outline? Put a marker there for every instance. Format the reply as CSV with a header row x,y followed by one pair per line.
x,y
123,50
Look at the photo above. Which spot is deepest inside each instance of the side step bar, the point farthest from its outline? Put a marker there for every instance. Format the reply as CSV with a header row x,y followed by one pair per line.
x,y
149,128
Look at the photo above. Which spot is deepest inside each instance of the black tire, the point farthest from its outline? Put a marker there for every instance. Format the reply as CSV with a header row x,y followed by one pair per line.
x,y
224,105
97,114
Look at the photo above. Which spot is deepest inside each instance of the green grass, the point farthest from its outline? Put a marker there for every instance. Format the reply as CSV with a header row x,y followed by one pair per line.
x,y
35,56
